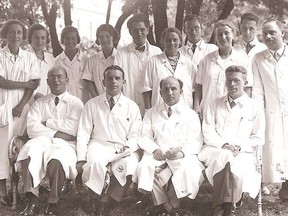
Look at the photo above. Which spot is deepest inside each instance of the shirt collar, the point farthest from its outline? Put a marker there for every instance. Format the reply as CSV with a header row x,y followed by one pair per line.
x,y
7,51
240,100
79,54
279,51
116,97
62,97
198,44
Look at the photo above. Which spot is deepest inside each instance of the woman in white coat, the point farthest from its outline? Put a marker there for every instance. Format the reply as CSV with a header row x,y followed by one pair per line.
x,y
19,77
108,38
169,63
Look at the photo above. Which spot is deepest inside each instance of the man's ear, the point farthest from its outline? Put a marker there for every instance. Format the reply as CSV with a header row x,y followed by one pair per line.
x,y
245,83
181,91
103,81
124,81
160,92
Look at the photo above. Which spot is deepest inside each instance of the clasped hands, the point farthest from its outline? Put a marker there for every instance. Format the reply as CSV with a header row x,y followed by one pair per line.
x,y
235,149
171,154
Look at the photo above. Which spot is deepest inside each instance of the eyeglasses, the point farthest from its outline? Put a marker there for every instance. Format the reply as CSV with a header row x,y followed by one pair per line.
x,y
195,29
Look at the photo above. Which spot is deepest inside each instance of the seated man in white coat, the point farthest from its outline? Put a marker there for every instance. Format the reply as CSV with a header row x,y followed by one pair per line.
x,y
52,123
171,138
232,128
106,141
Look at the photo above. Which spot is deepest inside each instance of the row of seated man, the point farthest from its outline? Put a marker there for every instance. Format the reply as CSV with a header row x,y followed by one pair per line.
x,y
104,137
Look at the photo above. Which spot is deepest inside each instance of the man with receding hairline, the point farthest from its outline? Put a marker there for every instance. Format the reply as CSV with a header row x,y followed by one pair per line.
x,y
171,139
52,123
271,90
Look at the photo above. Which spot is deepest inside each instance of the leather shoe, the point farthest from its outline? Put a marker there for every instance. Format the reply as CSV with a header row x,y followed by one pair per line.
x,y
155,210
30,210
68,186
5,200
179,212
52,209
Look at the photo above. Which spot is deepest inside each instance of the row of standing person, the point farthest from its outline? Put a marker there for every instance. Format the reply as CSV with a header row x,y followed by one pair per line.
x,y
135,61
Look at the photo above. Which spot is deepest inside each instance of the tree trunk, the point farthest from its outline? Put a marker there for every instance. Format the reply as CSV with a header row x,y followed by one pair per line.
x,y
180,14
108,11
67,12
51,22
228,7
197,7
121,20
160,18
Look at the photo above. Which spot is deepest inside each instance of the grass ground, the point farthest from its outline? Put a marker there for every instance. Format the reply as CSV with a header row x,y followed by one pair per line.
x,y
75,204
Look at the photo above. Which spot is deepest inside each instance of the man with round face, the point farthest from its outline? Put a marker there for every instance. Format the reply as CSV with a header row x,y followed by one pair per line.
x,y
171,139
271,90
233,127
107,141
52,123
134,57
193,31
210,76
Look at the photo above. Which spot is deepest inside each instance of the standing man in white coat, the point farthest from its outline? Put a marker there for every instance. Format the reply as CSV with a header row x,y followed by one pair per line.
x,y
196,47
233,127
52,123
134,57
107,140
271,90
171,139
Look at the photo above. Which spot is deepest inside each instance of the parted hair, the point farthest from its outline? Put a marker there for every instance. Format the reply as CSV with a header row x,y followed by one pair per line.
x,y
238,69
34,28
114,67
67,29
6,26
225,22
138,18
250,17
168,30
111,30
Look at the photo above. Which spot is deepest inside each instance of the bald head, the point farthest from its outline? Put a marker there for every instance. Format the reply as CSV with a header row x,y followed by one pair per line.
x,y
171,90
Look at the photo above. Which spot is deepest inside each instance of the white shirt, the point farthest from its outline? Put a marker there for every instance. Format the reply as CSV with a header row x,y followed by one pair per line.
x,y
134,65
159,68
63,117
201,51
211,75
120,126
74,69
181,129
243,125
94,69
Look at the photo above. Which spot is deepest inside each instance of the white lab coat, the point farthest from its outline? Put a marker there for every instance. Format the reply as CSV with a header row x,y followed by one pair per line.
x,y
244,125
101,133
183,130
211,75
271,90
134,64
43,147
95,67
159,68
76,86
23,69
201,51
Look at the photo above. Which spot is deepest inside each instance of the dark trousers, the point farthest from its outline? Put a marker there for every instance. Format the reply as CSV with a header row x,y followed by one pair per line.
x,y
283,193
115,190
223,186
55,174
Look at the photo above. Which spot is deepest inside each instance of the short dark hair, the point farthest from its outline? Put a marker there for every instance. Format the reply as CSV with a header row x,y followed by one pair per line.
x,y
111,30
113,67
58,68
179,81
138,18
6,26
171,29
250,17
190,17
67,29
34,28
279,23
238,69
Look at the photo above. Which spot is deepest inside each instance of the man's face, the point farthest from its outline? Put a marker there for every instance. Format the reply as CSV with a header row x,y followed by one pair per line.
x,y
139,33
224,36
248,30
170,91
70,40
235,84
272,36
113,81
193,31
57,81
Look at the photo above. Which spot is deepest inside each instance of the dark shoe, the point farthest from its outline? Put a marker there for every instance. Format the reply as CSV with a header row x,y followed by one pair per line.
x,y
155,210
179,212
4,200
30,210
52,209
68,186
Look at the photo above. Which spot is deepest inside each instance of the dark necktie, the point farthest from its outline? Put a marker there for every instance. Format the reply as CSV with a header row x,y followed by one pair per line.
x,y
111,103
140,48
276,56
248,47
169,113
232,104
194,48
56,101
